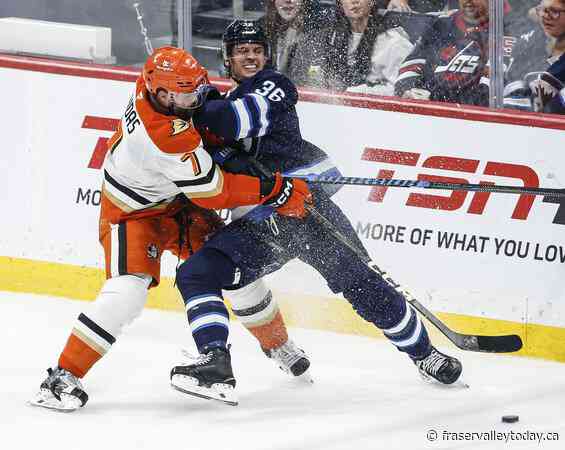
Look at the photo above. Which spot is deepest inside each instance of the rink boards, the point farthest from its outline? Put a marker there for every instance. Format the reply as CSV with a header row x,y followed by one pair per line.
x,y
489,263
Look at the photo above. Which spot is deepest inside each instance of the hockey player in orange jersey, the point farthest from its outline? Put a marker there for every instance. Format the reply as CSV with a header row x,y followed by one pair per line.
x,y
159,188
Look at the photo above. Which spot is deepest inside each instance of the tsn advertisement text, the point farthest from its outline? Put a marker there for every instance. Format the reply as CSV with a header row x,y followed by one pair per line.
x,y
476,168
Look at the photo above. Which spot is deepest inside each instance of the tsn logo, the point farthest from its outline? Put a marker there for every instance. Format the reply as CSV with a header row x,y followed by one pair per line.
x,y
101,147
456,200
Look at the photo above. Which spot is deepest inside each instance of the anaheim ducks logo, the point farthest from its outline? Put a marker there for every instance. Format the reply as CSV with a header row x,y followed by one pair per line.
x,y
179,126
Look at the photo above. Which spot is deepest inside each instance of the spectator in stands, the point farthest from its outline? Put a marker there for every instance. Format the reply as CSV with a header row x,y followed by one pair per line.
x,y
544,43
285,23
449,64
422,6
361,52
541,50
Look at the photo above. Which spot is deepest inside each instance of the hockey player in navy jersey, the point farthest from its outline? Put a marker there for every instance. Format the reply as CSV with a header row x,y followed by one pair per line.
x,y
259,134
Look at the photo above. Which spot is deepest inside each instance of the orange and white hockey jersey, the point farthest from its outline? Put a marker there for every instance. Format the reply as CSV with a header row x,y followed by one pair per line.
x,y
154,157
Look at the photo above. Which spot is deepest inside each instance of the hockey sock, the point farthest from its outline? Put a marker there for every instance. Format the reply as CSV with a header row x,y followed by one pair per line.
x,y
200,279
410,335
255,307
272,334
209,320
85,346
120,300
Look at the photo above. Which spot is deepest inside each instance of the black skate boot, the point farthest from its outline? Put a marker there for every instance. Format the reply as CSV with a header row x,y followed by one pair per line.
x,y
61,390
437,366
209,376
290,359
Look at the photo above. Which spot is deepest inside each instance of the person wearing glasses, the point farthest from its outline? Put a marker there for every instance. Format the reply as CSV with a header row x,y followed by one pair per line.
x,y
537,75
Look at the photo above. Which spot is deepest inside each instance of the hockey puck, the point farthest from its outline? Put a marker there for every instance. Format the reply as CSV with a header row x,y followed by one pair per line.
x,y
510,419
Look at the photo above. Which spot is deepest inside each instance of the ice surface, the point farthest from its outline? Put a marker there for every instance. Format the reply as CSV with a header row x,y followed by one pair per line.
x,y
366,394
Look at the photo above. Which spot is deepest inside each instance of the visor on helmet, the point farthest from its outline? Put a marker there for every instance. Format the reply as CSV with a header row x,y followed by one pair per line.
x,y
184,100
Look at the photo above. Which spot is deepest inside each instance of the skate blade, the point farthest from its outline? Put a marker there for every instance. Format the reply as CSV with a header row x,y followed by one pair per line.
x,y
305,378
68,403
458,384
461,384
218,391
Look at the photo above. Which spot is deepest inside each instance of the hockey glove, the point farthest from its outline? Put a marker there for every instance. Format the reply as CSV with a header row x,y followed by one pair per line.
x,y
288,195
207,92
235,161
557,104
543,86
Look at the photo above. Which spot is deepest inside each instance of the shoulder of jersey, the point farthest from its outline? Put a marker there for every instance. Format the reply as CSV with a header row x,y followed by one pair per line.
x,y
169,133
279,79
272,75
445,22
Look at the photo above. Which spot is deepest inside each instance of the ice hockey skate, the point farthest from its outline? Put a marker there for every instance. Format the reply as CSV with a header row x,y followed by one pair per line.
x,y
291,360
208,376
439,367
61,391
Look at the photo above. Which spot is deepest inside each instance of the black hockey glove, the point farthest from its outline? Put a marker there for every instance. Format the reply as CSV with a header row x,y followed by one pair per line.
x,y
207,92
236,161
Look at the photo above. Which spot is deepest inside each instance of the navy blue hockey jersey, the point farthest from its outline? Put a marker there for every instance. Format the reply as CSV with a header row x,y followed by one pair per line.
x,y
259,118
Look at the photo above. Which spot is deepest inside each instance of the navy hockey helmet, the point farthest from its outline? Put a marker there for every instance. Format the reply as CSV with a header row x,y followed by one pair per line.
x,y
242,31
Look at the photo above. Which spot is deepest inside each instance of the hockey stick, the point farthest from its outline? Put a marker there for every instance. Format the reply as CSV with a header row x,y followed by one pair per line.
x,y
392,182
475,343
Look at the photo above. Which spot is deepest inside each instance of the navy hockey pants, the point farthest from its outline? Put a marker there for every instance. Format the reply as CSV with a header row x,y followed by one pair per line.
x,y
244,251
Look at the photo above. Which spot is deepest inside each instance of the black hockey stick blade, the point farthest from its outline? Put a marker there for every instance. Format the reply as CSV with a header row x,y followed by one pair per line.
x,y
393,182
488,344
507,343
499,344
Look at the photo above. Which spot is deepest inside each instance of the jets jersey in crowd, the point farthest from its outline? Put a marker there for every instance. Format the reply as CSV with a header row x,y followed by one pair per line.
x,y
449,62
153,157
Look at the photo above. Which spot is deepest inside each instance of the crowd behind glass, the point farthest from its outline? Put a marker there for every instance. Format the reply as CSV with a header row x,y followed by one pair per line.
x,y
415,49
391,48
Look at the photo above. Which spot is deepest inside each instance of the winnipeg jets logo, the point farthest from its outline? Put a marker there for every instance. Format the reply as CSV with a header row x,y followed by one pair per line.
x,y
179,126
462,62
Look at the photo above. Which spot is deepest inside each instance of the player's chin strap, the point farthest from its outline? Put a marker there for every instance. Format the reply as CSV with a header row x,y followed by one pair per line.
x,y
475,343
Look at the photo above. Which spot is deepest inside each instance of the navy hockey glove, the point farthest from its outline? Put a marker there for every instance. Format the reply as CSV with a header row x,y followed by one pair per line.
x,y
236,161
207,92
